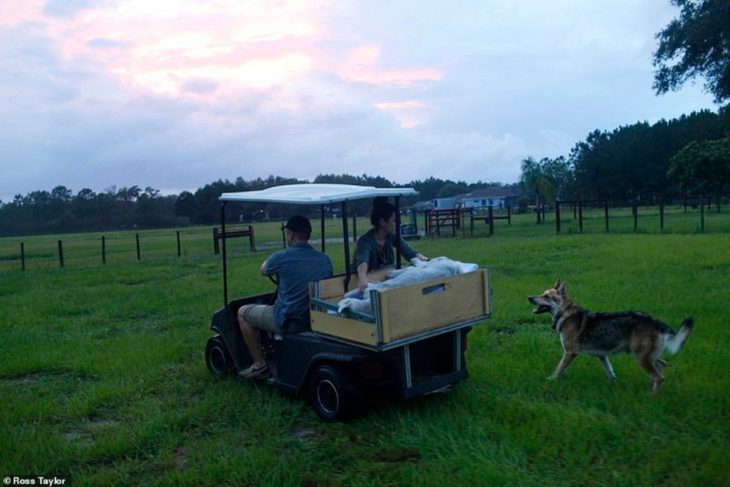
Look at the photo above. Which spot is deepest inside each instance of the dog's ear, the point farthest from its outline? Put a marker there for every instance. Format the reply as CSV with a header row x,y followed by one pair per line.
x,y
561,288
557,283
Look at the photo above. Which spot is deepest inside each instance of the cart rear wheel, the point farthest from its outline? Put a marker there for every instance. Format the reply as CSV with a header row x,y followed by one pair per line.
x,y
217,357
333,393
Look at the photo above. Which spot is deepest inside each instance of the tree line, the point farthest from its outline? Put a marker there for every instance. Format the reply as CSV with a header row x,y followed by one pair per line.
x,y
645,161
61,211
642,161
690,154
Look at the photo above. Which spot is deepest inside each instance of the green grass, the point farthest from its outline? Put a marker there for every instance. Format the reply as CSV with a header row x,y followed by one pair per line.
x,y
103,380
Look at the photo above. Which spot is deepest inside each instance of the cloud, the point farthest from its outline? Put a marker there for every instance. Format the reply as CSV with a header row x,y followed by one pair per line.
x,y
69,8
104,43
143,92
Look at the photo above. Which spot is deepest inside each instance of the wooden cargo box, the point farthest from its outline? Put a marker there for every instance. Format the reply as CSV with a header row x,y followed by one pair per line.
x,y
402,314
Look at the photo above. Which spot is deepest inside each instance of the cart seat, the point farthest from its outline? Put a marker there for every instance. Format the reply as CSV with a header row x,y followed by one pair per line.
x,y
291,326
296,325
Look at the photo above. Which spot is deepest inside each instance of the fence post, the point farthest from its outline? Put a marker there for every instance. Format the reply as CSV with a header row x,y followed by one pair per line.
x,y
491,221
580,216
139,256
22,256
661,214
702,216
605,207
103,249
635,210
557,216
251,239
60,252
178,242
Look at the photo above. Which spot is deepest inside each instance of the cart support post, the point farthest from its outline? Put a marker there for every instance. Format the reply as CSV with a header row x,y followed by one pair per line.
x,y
346,241
321,224
397,233
223,253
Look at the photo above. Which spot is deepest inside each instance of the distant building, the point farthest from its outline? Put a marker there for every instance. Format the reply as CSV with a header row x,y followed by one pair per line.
x,y
444,203
484,198
497,198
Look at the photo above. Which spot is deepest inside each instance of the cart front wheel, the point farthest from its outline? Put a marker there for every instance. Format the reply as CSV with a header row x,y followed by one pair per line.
x,y
332,394
217,357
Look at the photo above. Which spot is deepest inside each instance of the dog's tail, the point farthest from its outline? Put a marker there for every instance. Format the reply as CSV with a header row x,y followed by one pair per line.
x,y
675,342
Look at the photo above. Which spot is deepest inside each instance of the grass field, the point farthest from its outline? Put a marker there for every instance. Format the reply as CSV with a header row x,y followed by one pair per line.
x,y
103,380
84,249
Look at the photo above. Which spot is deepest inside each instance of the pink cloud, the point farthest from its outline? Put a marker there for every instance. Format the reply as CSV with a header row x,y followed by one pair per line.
x,y
362,67
409,114
160,46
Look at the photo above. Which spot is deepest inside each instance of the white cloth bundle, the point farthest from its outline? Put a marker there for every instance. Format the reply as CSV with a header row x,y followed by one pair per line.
x,y
419,272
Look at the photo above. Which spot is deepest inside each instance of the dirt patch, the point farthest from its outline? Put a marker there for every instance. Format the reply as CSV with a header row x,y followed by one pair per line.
x,y
302,433
101,424
31,378
22,380
399,455
181,457
79,438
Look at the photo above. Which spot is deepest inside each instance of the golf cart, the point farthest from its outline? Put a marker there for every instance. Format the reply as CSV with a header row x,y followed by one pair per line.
x,y
412,343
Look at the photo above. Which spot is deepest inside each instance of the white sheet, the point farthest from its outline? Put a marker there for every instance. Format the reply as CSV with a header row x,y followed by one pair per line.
x,y
420,271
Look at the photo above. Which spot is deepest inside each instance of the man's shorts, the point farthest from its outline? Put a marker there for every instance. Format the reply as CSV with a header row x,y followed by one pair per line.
x,y
259,316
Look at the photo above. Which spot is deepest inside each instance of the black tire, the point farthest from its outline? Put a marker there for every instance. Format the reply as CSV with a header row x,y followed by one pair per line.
x,y
217,358
333,394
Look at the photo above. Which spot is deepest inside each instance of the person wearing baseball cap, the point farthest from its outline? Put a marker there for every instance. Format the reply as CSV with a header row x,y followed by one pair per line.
x,y
296,267
299,224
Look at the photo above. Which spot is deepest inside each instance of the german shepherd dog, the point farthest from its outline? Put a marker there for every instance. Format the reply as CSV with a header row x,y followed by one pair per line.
x,y
603,334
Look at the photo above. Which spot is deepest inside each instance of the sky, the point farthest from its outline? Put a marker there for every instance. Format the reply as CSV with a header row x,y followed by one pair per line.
x,y
176,94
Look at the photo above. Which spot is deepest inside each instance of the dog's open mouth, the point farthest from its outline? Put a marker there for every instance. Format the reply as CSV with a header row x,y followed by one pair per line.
x,y
541,309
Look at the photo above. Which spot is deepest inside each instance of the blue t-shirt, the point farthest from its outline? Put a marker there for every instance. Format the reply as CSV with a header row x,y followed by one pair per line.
x,y
296,266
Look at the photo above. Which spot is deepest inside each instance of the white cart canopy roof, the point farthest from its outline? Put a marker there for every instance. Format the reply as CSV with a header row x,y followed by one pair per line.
x,y
314,194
